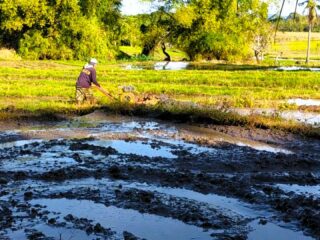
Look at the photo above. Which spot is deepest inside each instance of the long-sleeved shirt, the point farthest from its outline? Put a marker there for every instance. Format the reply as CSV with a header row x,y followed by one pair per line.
x,y
87,77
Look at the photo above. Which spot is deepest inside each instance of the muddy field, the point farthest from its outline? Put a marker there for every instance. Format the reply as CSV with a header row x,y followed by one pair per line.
x,y
112,177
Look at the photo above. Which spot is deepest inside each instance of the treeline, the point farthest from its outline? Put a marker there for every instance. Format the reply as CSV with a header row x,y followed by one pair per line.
x,y
295,23
77,29
205,29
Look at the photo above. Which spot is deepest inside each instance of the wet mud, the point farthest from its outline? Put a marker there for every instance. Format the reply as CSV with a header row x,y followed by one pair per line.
x,y
114,177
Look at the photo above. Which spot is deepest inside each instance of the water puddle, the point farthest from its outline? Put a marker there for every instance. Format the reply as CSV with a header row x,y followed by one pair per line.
x,y
303,117
271,231
125,127
18,143
300,189
132,67
226,204
190,147
42,157
43,163
304,102
264,147
295,68
218,201
147,226
151,226
220,137
53,232
299,116
171,65
136,147
212,66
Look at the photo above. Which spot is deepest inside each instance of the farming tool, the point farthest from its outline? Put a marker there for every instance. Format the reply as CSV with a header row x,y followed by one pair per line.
x,y
105,92
128,94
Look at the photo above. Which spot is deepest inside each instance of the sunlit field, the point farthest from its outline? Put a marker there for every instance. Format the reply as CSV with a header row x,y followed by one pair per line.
x,y
294,45
49,86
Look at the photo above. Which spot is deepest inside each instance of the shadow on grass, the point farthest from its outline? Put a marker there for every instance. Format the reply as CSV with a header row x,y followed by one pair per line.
x,y
175,112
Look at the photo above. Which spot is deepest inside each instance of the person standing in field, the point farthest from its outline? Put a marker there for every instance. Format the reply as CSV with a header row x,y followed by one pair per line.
x,y
86,78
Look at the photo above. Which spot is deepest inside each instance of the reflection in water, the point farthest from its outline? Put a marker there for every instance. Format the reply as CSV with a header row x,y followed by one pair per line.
x,y
295,68
220,202
212,66
270,231
136,147
18,143
299,189
304,102
171,65
147,226
311,118
52,233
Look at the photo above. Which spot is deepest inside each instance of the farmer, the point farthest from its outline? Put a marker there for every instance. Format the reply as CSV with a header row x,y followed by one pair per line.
x,y
85,79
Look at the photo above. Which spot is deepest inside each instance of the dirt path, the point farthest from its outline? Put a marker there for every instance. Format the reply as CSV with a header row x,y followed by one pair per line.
x,y
113,177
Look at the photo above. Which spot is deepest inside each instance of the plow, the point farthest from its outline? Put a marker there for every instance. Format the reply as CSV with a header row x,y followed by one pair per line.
x,y
128,94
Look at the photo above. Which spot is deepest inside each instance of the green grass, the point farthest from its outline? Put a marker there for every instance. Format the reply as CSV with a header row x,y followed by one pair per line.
x,y
294,45
49,87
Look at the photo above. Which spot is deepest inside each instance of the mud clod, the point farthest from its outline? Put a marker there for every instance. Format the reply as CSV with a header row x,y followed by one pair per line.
x,y
130,236
28,195
52,221
3,181
210,185
115,172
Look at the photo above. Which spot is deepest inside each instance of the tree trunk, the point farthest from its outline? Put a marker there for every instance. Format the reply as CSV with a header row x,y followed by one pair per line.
x,y
309,43
295,10
256,54
278,21
148,48
163,47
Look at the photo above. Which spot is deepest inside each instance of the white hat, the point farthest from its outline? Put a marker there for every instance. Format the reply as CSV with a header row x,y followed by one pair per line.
x,y
93,61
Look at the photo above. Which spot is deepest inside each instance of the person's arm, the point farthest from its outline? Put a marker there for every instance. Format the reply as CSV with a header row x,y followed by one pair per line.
x,y
94,77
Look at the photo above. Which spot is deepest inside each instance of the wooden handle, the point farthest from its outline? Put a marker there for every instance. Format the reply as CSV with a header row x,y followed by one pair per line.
x,y
105,92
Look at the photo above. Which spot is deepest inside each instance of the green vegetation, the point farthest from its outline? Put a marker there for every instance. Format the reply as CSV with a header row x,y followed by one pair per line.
x,y
299,24
220,31
35,87
293,45
62,29
80,29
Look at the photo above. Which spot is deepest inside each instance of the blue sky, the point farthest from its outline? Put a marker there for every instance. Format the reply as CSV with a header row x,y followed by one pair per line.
x,y
132,7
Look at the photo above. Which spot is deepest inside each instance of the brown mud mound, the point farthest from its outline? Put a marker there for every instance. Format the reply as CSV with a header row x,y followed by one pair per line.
x,y
99,177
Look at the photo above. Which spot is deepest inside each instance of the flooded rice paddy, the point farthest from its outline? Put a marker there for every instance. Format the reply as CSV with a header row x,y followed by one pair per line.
x,y
184,65
116,177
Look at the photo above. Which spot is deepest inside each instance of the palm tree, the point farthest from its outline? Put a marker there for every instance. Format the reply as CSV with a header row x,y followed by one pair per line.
x,y
278,21
295,10
312,6
279,17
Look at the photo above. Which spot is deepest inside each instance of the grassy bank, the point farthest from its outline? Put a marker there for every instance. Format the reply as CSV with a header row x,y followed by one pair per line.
x,y
46,87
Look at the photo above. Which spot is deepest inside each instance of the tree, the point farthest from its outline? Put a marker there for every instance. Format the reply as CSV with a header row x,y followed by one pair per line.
x,y
215,29
295,9
311,6
17,17
130,30
59,29
157,30
278,21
